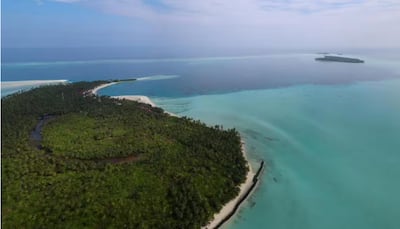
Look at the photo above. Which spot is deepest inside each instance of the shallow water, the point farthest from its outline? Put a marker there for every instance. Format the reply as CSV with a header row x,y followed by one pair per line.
x,y
332,152
329,132
11,87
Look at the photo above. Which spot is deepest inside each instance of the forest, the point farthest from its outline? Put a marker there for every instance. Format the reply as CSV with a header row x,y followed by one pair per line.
x,y
107,163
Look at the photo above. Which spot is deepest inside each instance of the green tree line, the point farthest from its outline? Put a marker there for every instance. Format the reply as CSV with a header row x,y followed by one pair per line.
x,y
84,175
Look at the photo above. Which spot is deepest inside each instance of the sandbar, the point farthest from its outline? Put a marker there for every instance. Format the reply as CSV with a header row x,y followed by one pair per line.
x,y
96,89
137,98
23,83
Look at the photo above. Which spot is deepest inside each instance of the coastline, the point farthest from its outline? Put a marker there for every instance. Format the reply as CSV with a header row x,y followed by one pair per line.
x,y
10,87
22,83
96,89
137,98
229,209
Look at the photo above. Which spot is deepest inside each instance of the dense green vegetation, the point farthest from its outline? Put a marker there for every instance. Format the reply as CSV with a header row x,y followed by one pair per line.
x,y
82,176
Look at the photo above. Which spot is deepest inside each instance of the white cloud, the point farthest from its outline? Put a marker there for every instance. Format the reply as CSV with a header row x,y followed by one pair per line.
x,y
306,22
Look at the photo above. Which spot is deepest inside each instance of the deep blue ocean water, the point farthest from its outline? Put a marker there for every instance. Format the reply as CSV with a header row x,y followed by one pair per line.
x,y
204,75
329,132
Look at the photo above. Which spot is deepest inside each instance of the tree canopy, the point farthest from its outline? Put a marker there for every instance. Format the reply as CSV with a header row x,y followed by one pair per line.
x,y
106,163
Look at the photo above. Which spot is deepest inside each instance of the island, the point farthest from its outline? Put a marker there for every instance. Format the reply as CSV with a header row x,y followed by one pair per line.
x,y
74,159
339,59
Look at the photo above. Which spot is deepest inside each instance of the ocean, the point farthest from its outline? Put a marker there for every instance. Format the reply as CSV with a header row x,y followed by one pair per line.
x,y
328,132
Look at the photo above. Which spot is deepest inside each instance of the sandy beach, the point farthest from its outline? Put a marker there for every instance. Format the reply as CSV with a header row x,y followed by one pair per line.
x,y
229,207
10,87
96,89
137,98
29,83
141,99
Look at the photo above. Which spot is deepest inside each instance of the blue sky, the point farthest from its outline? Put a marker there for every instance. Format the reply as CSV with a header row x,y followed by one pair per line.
x,y
206,23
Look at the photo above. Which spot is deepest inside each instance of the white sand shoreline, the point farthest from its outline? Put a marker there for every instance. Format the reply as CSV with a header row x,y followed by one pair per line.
x,y
137,98
30,83
245,187
11,87
228,208
96,89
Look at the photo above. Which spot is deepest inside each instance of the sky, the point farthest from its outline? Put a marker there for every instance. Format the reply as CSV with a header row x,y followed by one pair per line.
x,y
201,23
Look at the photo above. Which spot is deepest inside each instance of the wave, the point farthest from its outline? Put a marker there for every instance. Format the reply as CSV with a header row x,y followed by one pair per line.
x,y
158,77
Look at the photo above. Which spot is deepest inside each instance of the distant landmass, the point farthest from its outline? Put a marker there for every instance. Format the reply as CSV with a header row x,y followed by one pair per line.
x,y
339,59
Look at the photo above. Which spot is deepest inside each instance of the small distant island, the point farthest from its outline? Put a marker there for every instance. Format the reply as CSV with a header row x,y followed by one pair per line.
x,y
339,59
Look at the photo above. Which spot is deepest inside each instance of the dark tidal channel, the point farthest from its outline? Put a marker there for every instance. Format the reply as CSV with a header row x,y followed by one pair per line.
x,y
36,135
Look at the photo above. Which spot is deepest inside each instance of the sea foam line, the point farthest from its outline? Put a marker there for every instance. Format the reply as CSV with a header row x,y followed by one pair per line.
x,y
25,83
158,77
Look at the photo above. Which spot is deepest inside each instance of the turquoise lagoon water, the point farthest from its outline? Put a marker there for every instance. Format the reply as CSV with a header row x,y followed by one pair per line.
x,y
329,132
332,152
